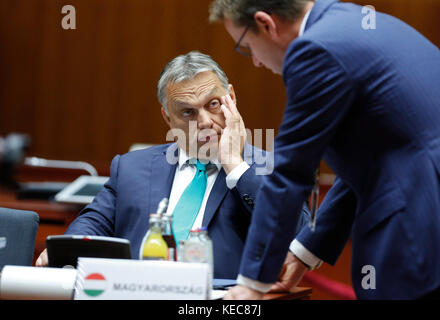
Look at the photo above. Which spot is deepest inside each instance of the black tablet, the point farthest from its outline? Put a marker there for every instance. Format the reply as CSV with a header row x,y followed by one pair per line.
x,y
65,249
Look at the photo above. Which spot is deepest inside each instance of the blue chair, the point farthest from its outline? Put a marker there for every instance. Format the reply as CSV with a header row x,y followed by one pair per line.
x,y
19,229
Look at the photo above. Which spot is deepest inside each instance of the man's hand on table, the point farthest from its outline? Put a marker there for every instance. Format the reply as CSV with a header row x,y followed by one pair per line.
x,y
291,274
243,293
42,260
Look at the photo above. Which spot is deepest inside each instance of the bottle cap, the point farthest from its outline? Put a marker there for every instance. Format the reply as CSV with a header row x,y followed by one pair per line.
x,y
154,217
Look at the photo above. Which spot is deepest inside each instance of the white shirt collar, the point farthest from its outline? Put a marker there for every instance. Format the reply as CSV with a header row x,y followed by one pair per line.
x,y
303,24
183,159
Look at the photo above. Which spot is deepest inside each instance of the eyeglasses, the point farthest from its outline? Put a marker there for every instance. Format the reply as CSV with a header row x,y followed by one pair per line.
x,y
245,51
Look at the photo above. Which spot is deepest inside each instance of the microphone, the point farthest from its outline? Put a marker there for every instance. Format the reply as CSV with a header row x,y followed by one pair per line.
x,y
12,152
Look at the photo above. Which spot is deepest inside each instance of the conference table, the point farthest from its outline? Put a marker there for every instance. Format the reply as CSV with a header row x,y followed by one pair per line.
x,y
56,217
298,293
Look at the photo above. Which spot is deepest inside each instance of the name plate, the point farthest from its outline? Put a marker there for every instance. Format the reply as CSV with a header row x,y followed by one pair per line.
x,y
122,279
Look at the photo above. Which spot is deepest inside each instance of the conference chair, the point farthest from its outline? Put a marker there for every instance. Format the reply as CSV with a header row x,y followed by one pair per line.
x,y
18,230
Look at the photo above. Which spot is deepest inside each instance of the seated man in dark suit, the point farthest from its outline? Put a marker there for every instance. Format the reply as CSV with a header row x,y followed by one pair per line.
x,y
199,106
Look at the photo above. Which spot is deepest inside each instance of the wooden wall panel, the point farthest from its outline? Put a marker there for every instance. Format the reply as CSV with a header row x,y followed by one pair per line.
x,y
88,94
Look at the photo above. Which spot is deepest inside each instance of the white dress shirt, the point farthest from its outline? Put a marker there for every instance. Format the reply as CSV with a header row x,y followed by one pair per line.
x,y
296,247
303,23
185,173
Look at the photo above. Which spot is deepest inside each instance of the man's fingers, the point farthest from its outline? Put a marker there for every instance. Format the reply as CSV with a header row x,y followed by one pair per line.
x,y
226,112
229,103
232,121
42,260
224,102
242,293
279,287
232,106
230,111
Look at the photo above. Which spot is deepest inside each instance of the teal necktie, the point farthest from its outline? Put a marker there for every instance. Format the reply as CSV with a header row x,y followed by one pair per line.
x,y
188,206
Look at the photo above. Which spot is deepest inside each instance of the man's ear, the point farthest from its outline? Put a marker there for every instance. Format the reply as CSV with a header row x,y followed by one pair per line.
x,y
266,23
232,93
165,117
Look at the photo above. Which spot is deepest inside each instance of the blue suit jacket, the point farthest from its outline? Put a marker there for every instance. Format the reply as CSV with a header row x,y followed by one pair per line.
x,y
368,101
140,179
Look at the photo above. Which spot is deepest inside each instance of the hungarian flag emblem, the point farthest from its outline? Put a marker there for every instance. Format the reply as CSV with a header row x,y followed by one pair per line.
x,y
94,284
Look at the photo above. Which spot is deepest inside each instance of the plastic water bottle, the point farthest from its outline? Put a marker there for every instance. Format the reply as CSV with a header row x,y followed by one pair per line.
x,y
204,237
197,249
194,249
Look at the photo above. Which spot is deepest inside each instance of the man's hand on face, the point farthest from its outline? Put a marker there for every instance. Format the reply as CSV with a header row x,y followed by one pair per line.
x,y
42,260
291,274
233,136
243,293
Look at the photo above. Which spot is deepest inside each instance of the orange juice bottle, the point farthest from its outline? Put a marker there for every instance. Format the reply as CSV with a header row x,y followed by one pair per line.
x,y
154,246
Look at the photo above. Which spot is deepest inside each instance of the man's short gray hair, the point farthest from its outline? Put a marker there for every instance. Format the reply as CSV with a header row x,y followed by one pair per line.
x,y
186,67
242,12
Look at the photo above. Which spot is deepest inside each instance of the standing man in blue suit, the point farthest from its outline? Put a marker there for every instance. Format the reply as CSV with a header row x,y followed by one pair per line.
x,y
365,97
198,104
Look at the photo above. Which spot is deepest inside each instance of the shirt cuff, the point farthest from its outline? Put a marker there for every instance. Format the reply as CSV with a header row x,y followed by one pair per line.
x,y
235,175
254,284
305,255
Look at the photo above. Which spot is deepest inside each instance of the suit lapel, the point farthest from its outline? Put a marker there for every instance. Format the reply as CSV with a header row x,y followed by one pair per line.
x,y
162,177
220,188
216,196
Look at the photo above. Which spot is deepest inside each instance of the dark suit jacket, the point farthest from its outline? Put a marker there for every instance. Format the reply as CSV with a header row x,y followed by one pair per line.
x,y
140,179
368,101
